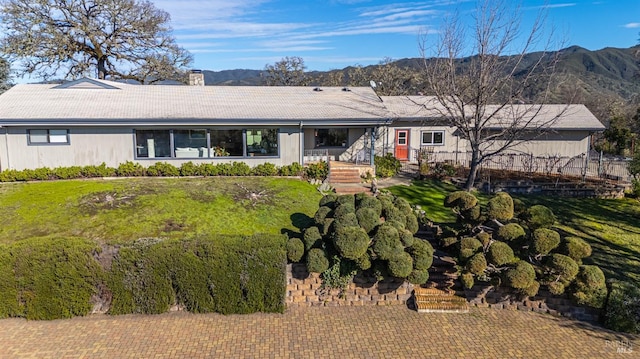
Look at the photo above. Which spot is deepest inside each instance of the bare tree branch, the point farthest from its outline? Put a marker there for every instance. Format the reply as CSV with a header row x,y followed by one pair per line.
x,y
483,97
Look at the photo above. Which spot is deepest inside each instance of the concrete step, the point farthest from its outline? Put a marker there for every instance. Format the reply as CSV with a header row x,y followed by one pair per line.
x,y
352,188
433,300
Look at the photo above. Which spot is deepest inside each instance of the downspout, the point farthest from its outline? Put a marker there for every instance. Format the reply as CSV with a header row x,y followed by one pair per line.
x,y
301,156
6,143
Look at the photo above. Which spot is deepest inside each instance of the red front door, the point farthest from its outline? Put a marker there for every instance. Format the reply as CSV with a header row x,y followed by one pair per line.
x,y
402,145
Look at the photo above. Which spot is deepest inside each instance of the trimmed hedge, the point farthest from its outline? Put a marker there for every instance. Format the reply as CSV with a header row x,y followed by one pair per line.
x,y
225,274
164,169
50,278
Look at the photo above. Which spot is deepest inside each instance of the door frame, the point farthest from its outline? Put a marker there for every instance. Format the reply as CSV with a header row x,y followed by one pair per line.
x,y
406,145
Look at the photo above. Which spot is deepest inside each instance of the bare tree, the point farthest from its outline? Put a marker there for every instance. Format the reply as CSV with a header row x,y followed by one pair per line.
x,y
483,97
116,39
287,72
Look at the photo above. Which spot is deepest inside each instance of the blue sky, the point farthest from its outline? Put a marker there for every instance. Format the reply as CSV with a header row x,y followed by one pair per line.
x,y
331,34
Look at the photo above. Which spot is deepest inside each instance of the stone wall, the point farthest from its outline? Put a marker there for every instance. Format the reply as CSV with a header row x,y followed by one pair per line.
x,y
303,289
486,296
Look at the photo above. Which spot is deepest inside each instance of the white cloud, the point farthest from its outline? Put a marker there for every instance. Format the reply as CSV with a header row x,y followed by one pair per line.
x,y
632,25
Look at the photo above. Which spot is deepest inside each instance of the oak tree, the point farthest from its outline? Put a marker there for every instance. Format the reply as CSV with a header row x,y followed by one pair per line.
x,y
290,71
110,39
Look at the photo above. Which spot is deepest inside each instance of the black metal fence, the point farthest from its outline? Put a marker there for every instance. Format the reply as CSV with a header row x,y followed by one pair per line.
x,y
599,167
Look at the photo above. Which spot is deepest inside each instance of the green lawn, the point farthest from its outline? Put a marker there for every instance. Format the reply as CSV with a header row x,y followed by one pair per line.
x,y
116,211
611,226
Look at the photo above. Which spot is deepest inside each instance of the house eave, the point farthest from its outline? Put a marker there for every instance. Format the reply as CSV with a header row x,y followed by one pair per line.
x,y
107,122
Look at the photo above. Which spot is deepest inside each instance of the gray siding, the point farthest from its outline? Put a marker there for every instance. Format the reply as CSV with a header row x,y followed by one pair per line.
x,y
113,146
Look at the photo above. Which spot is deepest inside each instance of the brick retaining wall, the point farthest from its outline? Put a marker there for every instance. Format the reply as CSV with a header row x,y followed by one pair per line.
x,y
487,296
303,289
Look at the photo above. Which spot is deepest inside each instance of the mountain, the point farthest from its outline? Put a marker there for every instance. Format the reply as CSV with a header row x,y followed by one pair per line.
x,y
610,72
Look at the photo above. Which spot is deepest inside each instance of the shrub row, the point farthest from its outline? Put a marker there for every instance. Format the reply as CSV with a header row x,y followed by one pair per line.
x,y
49,278
163,169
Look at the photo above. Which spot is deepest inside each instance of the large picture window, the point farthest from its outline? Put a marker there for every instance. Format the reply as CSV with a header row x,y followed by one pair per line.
x,y
432,138
331,137
153,143
190,143
262,142
48,137
199,143
226,142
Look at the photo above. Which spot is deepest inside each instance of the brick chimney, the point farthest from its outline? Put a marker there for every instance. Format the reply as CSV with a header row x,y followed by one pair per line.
x,y
196,78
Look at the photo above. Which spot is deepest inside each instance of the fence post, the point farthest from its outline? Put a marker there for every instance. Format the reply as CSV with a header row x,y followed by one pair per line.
x,y
600,164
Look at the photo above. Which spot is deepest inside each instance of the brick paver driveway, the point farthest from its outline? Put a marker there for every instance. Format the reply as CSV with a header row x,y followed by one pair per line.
x,y
340,332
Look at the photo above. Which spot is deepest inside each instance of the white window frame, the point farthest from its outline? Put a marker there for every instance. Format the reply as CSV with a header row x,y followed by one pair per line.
x,y
432,143
54,137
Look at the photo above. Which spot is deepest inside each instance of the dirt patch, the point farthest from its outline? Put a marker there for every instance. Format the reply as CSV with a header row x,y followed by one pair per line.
x,y
250,195
171,225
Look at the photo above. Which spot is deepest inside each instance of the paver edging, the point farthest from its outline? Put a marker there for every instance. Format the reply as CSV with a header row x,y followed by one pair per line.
x,y
488,296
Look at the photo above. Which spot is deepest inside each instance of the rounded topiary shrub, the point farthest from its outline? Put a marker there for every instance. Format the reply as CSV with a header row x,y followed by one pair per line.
x,y
576,248
473,214
395,224
448,241
322,213
386,242
499,253
468,247
328,200
562,267
345,220
418,277
500,207
406,237
539,216
344,208
556,288
544,241
347,199
510,232
412,223
326,225
317,261
467,280
401,265
461,200
590,287
371,202
311,237
531,290
521,276
394,214
477,264
363,262
402,204
295,249
422,253
367,218
351,242
484,238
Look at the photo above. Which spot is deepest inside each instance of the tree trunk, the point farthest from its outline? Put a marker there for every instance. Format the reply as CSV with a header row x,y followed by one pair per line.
x,y
102,67
473,170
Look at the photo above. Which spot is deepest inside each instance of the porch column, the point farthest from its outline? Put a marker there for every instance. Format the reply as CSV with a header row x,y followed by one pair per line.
x,y
372,141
